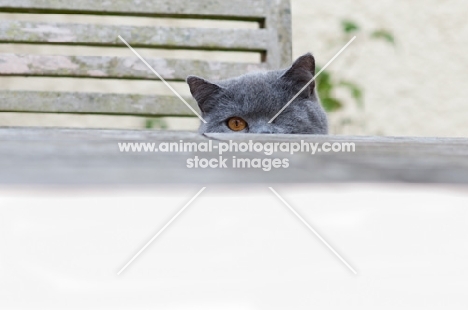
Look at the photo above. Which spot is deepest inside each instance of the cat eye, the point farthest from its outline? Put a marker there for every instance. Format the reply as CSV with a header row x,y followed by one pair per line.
x,y
236,124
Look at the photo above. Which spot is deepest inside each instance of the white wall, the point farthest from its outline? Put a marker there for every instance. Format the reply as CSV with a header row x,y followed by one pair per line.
x,y
419,87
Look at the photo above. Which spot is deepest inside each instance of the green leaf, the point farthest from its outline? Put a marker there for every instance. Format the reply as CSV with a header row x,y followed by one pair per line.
x,y
346,121
156,123
324,84
349,26
331,104
383,35
149,123
356,92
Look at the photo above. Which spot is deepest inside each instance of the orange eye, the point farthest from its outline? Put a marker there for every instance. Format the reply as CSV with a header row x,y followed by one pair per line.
x,y
236,124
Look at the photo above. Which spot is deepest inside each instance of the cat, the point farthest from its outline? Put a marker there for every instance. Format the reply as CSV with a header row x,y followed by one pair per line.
x,y
246,103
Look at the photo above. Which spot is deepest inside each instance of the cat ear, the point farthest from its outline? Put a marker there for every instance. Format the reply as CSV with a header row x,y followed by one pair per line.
x,y
201,90
301,72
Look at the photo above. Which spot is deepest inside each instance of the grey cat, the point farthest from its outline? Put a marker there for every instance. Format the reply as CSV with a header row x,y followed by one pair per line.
x,y
246,103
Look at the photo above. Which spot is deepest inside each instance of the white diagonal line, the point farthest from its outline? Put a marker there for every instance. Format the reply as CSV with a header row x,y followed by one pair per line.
x,y
160,231
313,79
313,230
160,77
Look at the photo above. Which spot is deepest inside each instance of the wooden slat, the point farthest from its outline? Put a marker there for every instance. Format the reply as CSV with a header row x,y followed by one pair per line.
x,y
161,37
89,156
119,67
217,9
94,103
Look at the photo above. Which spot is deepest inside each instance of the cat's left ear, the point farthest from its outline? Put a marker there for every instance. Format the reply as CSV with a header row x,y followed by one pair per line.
x,y
201,90
301,72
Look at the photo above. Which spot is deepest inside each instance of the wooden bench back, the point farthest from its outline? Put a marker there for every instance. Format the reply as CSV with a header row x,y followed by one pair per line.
x,y
272,39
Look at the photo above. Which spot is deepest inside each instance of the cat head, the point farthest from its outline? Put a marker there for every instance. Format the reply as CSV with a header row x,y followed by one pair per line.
x,y
247,103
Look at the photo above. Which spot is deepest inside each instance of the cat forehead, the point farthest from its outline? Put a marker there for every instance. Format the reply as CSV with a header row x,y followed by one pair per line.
x,y
253,94
253,78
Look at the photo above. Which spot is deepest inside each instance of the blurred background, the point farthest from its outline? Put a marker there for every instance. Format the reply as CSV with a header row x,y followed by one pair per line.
x,y
405,75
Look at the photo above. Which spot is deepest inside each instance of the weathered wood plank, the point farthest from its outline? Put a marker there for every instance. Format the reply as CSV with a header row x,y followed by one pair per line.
x,y
119,67
87,156
216,9
77,134
94,103
279,18
156,37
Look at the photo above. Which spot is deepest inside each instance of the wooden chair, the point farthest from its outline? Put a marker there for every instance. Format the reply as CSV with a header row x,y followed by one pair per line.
x,y
272,39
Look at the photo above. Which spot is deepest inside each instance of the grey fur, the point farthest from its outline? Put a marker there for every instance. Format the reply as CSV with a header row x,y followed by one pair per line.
x,y
257,97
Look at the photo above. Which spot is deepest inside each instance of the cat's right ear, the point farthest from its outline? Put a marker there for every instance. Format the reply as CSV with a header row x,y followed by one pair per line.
x,y
201,90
